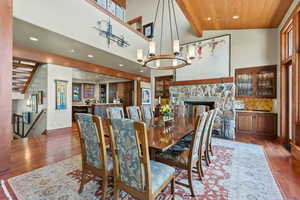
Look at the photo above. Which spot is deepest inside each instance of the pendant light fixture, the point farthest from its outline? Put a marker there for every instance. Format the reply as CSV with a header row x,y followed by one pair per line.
x,y
171,58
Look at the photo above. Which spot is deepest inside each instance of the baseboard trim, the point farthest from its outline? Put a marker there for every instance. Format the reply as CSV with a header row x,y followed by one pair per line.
x,y
59,131
295,151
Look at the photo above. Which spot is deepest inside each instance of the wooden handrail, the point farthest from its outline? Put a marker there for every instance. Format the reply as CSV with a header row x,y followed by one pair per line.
x,y
35,121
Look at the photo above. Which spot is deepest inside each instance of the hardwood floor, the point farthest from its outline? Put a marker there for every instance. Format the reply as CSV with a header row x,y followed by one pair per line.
x,y
39,151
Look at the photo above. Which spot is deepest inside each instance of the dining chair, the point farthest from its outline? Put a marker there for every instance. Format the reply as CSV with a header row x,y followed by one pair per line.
x,y
185,143
198,110
181,111
147,112
134,113
134,173
115,113
94,155
209,137
190,158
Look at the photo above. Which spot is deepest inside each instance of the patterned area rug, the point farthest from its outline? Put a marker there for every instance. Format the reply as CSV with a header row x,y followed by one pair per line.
x,y
238,171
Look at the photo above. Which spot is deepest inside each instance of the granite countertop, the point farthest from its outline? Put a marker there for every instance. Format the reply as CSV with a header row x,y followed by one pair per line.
x,y
255,111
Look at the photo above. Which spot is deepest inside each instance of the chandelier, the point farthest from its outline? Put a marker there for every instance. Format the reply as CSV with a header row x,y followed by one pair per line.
x,y
173,58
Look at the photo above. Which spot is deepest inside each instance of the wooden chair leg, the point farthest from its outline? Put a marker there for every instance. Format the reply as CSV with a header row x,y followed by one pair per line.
x,y
190,178
206,158
82,182
104,187
211,151
173,188
199,169
116,193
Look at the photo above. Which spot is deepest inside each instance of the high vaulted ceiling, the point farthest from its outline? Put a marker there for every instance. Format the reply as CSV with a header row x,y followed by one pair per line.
x,y
218,14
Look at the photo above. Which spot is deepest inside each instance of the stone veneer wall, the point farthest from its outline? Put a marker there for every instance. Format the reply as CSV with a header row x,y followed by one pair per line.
x,y
179,94
223,95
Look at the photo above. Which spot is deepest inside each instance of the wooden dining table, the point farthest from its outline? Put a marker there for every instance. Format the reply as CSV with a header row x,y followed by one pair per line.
x,y
163,135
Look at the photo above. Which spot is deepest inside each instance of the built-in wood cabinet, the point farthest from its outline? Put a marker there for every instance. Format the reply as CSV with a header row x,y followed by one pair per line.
x,y
256,82
162,86
257,124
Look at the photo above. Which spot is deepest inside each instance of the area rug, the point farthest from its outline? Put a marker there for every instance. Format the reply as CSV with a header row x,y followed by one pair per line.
x,y
238,171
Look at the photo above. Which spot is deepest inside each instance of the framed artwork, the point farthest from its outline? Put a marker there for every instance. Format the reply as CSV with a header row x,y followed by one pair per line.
x,y
102,3
120,12
61,94
148,30
88,91
34,103
40,97
76,92
146,96
111,7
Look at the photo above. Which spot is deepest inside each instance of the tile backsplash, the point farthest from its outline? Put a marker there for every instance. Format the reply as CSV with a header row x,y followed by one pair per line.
x,y
257,103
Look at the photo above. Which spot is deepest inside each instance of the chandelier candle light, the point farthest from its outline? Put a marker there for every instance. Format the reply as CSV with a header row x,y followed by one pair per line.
x,y
179,57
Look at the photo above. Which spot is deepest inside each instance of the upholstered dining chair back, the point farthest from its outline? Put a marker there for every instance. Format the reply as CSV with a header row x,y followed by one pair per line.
x,y
147,112
209,135
203,141
130,153
115,113
92,140
197,136
134,113
181,111
198,110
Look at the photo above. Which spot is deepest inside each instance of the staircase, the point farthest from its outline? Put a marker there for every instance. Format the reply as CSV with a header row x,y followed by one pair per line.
x,y
23,71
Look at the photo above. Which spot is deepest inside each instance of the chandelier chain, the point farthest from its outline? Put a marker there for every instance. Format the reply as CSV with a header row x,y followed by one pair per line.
x,y
162,25
175,19
170,19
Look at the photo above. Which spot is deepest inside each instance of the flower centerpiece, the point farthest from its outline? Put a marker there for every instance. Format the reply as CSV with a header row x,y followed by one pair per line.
x,y
166,112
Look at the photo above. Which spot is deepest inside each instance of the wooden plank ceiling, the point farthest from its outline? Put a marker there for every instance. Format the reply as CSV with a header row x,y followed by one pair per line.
x,y
218,14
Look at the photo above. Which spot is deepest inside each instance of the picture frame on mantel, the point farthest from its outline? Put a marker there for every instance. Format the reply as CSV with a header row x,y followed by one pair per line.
x,y
61,94
148,30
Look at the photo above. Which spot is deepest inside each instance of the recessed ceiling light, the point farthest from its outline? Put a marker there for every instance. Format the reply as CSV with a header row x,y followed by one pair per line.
x,y
208,19
121,65
34,39
90,56
235,17
72,50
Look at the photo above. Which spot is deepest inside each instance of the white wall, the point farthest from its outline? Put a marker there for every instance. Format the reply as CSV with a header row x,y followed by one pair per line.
x,y
76,19
58,118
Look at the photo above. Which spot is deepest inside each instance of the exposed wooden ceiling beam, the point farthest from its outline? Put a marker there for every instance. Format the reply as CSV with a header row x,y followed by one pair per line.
x,y
187,8
45,57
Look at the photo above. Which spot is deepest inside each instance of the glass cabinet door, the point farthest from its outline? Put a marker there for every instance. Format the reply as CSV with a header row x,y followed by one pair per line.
x,y
265,83
245,85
